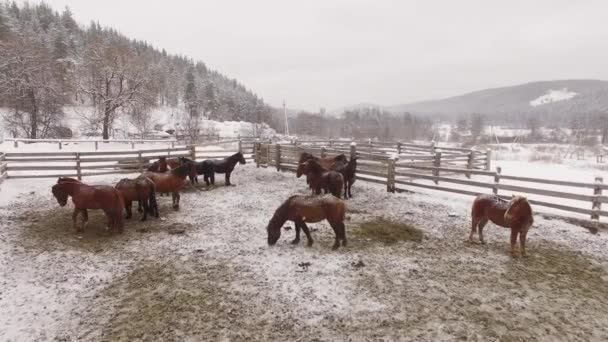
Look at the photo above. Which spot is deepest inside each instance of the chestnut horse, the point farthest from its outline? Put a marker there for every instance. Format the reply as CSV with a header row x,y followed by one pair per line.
x,y
171,181
142,190
515,214
319,178
159,166
208,168
311,209
326,163
86,197
348,171
176,162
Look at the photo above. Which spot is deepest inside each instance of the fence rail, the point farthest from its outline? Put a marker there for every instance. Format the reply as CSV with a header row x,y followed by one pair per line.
x,y
61,142
402,167
95,163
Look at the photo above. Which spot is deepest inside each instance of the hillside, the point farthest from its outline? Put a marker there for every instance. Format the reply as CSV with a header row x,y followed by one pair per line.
x,y
563,97
49,62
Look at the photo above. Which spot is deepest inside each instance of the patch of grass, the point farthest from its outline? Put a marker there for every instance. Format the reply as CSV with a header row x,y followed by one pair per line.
x,y
387,232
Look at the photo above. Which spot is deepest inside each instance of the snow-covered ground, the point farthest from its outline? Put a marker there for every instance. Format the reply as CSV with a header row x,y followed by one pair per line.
x,y
221,281
553,96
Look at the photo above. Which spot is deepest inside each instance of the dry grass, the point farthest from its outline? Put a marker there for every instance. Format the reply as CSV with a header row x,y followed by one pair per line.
x,y
387,232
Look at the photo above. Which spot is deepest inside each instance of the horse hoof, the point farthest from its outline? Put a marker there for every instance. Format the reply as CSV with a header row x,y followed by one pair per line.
x,y
295,242
334,247
309,244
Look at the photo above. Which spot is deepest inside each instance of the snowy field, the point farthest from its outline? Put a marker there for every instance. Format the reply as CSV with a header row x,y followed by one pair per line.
x,y
220,280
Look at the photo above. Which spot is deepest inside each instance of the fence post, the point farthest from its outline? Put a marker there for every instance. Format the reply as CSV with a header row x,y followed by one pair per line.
x,y
132,145
60,145
436,164
256,150
398,148
323,152
96,145
141,161
16,144
172,144
496,180
353,150
488,159
470,163
596,204
193,152
278,157
331,142
371,143
240,146
78,169
433,147
390,173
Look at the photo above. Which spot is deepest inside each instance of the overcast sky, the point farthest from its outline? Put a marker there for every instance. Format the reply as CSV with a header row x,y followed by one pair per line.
x,y
331,53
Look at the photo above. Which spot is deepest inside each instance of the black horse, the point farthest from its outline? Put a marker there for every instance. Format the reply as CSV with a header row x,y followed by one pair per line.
x,y
208,168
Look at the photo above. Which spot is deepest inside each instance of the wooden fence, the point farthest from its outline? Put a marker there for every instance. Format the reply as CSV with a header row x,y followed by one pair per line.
x,y
406,165
82,164
61,142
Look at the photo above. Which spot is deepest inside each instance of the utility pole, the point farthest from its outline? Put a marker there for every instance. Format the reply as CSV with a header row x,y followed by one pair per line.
x,y
286,123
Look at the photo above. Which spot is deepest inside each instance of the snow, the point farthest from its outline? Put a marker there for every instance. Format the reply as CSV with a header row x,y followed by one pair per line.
x,y
221,281
553,96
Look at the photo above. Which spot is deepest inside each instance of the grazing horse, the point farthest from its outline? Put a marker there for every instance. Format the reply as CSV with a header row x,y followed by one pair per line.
x,y
159,166
142,190
515,214
348,171
86,197
311,209
208,168
171,181
319,178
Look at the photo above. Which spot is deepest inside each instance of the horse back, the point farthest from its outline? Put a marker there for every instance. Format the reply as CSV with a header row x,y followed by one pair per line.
x,y
491,208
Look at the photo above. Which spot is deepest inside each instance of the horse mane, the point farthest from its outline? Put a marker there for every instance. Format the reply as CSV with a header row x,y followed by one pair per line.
x,y
182,170
314,166
280,215
517,202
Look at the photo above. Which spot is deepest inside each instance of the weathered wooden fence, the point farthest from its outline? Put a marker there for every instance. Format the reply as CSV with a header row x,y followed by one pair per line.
x,y
405,166
61,142
96,163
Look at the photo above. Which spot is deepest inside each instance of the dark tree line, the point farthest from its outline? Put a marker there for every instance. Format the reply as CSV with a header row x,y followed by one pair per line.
x,y
48,61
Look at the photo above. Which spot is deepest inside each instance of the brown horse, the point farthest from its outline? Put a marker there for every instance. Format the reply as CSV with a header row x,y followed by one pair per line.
x,y
142,190
171,181
515,214
159,166
311,209
319,178
326,163
348,171
86,197
176,162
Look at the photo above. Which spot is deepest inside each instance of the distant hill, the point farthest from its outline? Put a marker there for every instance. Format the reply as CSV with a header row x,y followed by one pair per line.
x,y
564,97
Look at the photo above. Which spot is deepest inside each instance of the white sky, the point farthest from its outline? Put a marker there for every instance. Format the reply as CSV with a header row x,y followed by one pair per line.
x,y
330,53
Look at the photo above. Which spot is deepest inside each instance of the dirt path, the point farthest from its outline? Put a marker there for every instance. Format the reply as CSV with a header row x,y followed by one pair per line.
x,y
219,279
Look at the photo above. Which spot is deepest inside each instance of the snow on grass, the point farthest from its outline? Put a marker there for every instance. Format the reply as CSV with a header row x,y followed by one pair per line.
x,y
553,96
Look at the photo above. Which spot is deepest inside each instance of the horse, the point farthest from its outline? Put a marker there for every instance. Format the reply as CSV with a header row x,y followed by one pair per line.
x,y
312,209
142,190
176,162
208,168
330,181
348,171
86,197
159,166
515,214
171,181
326,163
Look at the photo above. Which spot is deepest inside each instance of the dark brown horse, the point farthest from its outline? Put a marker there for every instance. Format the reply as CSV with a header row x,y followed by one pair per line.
x,y
176,162
171,181
311,209
515,214
159,166
348,171
326,163
86,197
319,178
142,190
208,168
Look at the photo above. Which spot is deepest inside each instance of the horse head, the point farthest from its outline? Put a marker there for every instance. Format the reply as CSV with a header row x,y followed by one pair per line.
x,y
303,158
517,207
60,194
240,158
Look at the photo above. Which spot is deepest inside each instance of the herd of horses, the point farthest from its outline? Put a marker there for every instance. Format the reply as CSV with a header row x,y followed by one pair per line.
x,y
332,176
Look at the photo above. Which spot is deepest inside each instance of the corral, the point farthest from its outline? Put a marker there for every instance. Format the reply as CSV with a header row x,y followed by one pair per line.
x,y
206,271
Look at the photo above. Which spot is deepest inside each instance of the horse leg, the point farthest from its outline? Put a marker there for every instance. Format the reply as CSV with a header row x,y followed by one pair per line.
x,y
228,178
307,232
75,219
175,197
297,239
522,242
482,224
514,233
128,209
85,219
212,176
345,190
338,233
342,230
350,184
146,209
474,222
